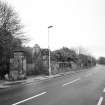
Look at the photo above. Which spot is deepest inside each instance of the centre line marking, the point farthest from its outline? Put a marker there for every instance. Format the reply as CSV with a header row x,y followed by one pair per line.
x,y
71,82
100,101
29,98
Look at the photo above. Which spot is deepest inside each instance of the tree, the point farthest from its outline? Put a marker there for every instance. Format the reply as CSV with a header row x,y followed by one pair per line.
x,y
10,34
9,19
10,25
40,67
28,54
86,60
101,60
45,52
65,55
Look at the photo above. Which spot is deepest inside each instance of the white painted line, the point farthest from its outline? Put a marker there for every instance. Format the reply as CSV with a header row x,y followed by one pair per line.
x,y
104,90
29,98
100,101
71,82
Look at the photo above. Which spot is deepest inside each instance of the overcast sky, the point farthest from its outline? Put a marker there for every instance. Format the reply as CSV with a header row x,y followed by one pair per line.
x,y
76,23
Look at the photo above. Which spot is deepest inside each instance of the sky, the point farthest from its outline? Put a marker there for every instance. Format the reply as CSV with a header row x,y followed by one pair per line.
x,y
76,23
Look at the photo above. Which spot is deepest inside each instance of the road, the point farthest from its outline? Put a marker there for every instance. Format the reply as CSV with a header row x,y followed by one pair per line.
x,y
83,88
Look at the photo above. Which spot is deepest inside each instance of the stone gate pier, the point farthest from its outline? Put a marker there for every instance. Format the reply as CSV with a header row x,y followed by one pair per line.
x,y
17,65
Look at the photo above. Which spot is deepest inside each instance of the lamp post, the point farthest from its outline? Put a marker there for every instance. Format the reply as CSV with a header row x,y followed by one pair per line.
x,y
49,60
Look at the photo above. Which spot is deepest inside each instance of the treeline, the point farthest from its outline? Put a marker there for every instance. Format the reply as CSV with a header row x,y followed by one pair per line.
x,y
67,55
101,60
64,57
11,36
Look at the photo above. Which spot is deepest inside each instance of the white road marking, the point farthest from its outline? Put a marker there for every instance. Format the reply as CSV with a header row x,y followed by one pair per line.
x,y
29,98
100,101
104,90
71,82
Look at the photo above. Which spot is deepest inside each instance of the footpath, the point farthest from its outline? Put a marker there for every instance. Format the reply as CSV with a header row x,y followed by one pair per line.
x,y
6,84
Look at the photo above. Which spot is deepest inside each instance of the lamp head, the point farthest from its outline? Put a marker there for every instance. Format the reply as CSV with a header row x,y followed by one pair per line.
x,y
50,26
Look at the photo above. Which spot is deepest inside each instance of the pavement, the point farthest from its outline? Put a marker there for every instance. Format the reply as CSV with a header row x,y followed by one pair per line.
x,y
8,84
82,88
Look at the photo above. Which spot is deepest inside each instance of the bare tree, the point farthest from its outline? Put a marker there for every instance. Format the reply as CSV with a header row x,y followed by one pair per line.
x,y
9,19
10,30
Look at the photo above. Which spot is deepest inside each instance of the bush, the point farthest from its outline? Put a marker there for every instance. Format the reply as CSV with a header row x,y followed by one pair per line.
x,y
37,69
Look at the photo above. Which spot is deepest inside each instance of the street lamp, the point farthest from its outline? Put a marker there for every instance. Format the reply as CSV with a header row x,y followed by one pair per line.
x,y
49,60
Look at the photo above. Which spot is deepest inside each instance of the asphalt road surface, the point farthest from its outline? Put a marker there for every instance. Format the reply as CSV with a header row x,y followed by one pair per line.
x,y
83,88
